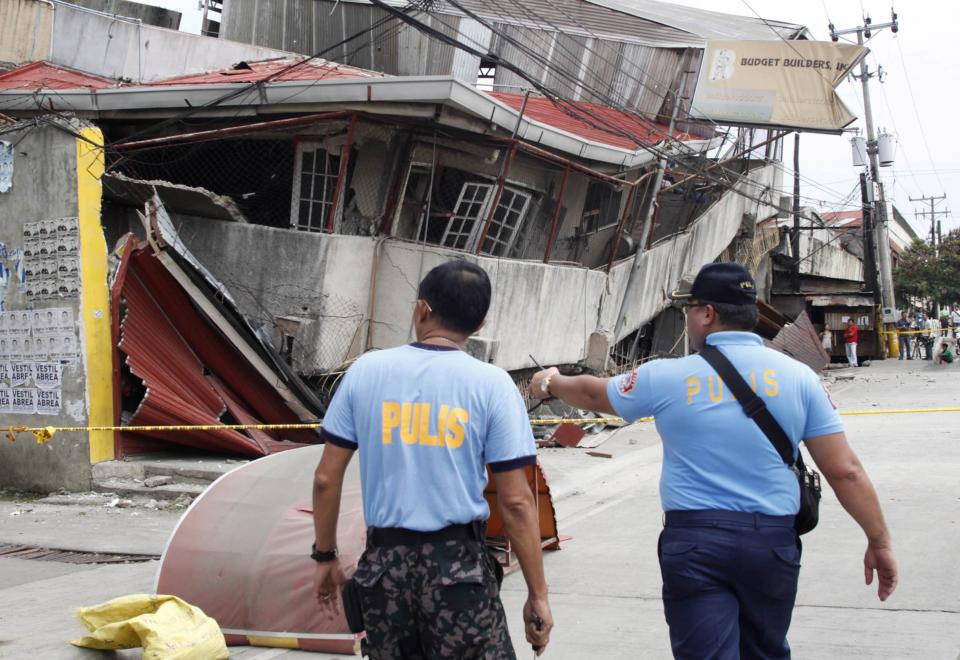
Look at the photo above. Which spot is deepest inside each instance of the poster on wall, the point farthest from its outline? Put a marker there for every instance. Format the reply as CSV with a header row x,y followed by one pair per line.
x,y
48,402
69,226
48,375
6,166
16,344
5,399
63,318
24,401
21,373
4,373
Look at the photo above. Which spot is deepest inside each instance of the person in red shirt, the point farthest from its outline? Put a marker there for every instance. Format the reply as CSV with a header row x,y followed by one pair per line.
x,y
851,335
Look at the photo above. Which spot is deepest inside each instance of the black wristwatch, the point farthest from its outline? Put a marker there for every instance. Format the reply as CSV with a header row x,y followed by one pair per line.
x,y
322,555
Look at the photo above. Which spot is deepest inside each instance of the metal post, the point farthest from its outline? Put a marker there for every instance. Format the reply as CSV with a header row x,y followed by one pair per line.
x,y
795,238
502,179
649,206
555,222
869,258
342,175
623,222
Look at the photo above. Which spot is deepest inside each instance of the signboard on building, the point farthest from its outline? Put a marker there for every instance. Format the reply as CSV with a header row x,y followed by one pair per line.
x,y
775,84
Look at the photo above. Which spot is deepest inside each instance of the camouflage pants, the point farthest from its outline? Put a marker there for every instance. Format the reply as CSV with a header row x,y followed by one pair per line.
x,y
422,602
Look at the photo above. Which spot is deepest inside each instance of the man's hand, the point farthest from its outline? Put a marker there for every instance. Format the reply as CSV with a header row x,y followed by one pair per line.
x,y
536,383
327,579
538,622
881,560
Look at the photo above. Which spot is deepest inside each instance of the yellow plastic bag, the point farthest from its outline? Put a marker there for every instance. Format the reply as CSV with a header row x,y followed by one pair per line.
x,y
166,627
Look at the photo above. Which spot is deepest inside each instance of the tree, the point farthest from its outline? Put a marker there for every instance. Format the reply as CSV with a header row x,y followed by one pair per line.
x,y
934,277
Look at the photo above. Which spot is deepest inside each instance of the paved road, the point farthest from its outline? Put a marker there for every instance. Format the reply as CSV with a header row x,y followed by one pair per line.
x,y
605,581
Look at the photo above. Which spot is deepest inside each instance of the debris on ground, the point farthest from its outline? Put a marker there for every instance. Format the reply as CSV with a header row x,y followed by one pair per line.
x,y
160,480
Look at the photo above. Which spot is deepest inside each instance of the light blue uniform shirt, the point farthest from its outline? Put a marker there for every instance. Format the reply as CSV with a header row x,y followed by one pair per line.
x,y
714,456
427,420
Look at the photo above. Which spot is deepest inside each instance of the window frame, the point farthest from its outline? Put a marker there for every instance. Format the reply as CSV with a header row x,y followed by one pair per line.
x,y
329,177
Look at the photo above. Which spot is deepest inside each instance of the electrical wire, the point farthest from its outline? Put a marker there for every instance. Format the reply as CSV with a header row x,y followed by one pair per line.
x,y
916,114
568,107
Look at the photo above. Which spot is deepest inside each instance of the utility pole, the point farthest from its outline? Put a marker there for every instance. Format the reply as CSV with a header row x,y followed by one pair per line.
x,y
869,249
795,237
880,219
933,213
936,239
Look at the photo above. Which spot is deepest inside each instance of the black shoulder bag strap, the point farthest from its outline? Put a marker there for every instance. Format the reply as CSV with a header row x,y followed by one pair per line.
x,y
753,405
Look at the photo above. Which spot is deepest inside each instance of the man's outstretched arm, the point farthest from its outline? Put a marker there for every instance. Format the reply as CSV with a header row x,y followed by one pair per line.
x,y
585,392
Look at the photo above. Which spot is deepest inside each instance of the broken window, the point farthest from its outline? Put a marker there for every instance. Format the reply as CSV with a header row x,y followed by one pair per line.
x,y
601,210
253,172
470,215
314,186
486,74
457,210
506,220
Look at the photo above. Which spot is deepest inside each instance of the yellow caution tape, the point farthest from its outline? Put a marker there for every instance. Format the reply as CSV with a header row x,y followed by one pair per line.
x,y
585,420
45,433
903,411
938,332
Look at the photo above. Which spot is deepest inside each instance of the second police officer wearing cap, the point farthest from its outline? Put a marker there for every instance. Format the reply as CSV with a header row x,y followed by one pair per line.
x,y
729,555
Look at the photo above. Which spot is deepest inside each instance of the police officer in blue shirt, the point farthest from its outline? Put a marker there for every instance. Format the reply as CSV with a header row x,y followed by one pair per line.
x,y
427,420
729,555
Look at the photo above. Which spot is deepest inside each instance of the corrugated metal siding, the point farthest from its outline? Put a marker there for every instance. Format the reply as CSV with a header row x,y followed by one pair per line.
x,y
703,23
299,33
26,30
579,17
440,55
386,43
357,51
822,260
567,49
269,23
466,66
629,61
571,16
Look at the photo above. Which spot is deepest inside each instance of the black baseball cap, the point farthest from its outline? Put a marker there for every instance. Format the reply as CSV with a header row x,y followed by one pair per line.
x,y
726,282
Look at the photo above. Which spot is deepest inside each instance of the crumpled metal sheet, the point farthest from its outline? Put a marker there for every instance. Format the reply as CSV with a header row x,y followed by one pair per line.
x,y
800,341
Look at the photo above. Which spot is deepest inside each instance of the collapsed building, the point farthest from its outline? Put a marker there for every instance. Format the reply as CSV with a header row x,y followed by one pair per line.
x,y
301,200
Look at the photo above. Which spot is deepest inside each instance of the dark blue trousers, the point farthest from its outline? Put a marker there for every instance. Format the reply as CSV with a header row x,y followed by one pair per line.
x,y
729,583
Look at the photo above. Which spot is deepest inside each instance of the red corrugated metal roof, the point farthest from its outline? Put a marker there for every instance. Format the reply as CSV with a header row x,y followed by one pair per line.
x,y
843,218
43,75
591,121
173,350
248,72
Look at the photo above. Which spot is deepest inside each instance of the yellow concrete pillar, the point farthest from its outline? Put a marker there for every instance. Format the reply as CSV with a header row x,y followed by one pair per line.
x,y
94,293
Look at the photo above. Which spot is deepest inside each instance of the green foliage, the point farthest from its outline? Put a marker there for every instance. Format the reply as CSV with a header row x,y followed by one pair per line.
x,y
922,274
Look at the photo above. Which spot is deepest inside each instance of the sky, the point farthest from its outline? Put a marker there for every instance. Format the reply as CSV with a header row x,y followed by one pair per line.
x,y
922,86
